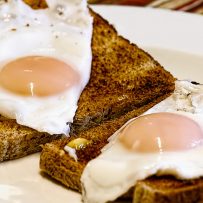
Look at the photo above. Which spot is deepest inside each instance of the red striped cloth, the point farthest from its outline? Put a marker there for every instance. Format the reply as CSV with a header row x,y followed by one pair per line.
x,y
195,6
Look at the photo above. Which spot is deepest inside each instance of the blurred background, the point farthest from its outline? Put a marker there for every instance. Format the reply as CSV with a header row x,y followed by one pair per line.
x,y
195,6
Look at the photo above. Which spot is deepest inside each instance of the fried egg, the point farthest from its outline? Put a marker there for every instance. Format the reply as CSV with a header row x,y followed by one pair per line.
x,y
45,62
165,140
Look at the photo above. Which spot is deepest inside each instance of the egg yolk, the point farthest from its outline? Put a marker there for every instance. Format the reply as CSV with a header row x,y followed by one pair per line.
x,y
37,76
161,132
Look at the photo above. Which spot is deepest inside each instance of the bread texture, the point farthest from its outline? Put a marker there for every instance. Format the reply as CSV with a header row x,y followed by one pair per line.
x,y
167,189
17,141
123,78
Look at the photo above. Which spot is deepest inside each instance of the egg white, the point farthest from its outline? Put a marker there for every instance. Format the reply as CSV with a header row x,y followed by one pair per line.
x,y
62,31
118,169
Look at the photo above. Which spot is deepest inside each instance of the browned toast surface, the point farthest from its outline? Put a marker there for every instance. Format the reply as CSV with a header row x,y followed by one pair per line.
x,y
17,141
123,77
167,189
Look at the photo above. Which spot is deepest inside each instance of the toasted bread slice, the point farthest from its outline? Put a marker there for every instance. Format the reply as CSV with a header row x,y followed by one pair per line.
x,y
123,78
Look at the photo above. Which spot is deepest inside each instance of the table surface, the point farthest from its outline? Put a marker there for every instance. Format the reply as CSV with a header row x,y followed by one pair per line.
x,y
195,6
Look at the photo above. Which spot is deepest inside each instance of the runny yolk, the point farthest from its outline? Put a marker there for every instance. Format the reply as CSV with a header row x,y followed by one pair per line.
x,y
161,132
37,76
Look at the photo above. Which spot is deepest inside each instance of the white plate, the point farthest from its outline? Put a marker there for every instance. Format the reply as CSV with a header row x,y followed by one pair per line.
x,y
175,39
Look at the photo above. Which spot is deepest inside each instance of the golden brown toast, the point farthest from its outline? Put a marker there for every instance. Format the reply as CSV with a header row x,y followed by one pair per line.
x,y
123,78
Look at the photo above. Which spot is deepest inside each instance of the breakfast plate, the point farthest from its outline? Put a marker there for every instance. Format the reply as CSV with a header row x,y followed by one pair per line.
x,y
173,38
